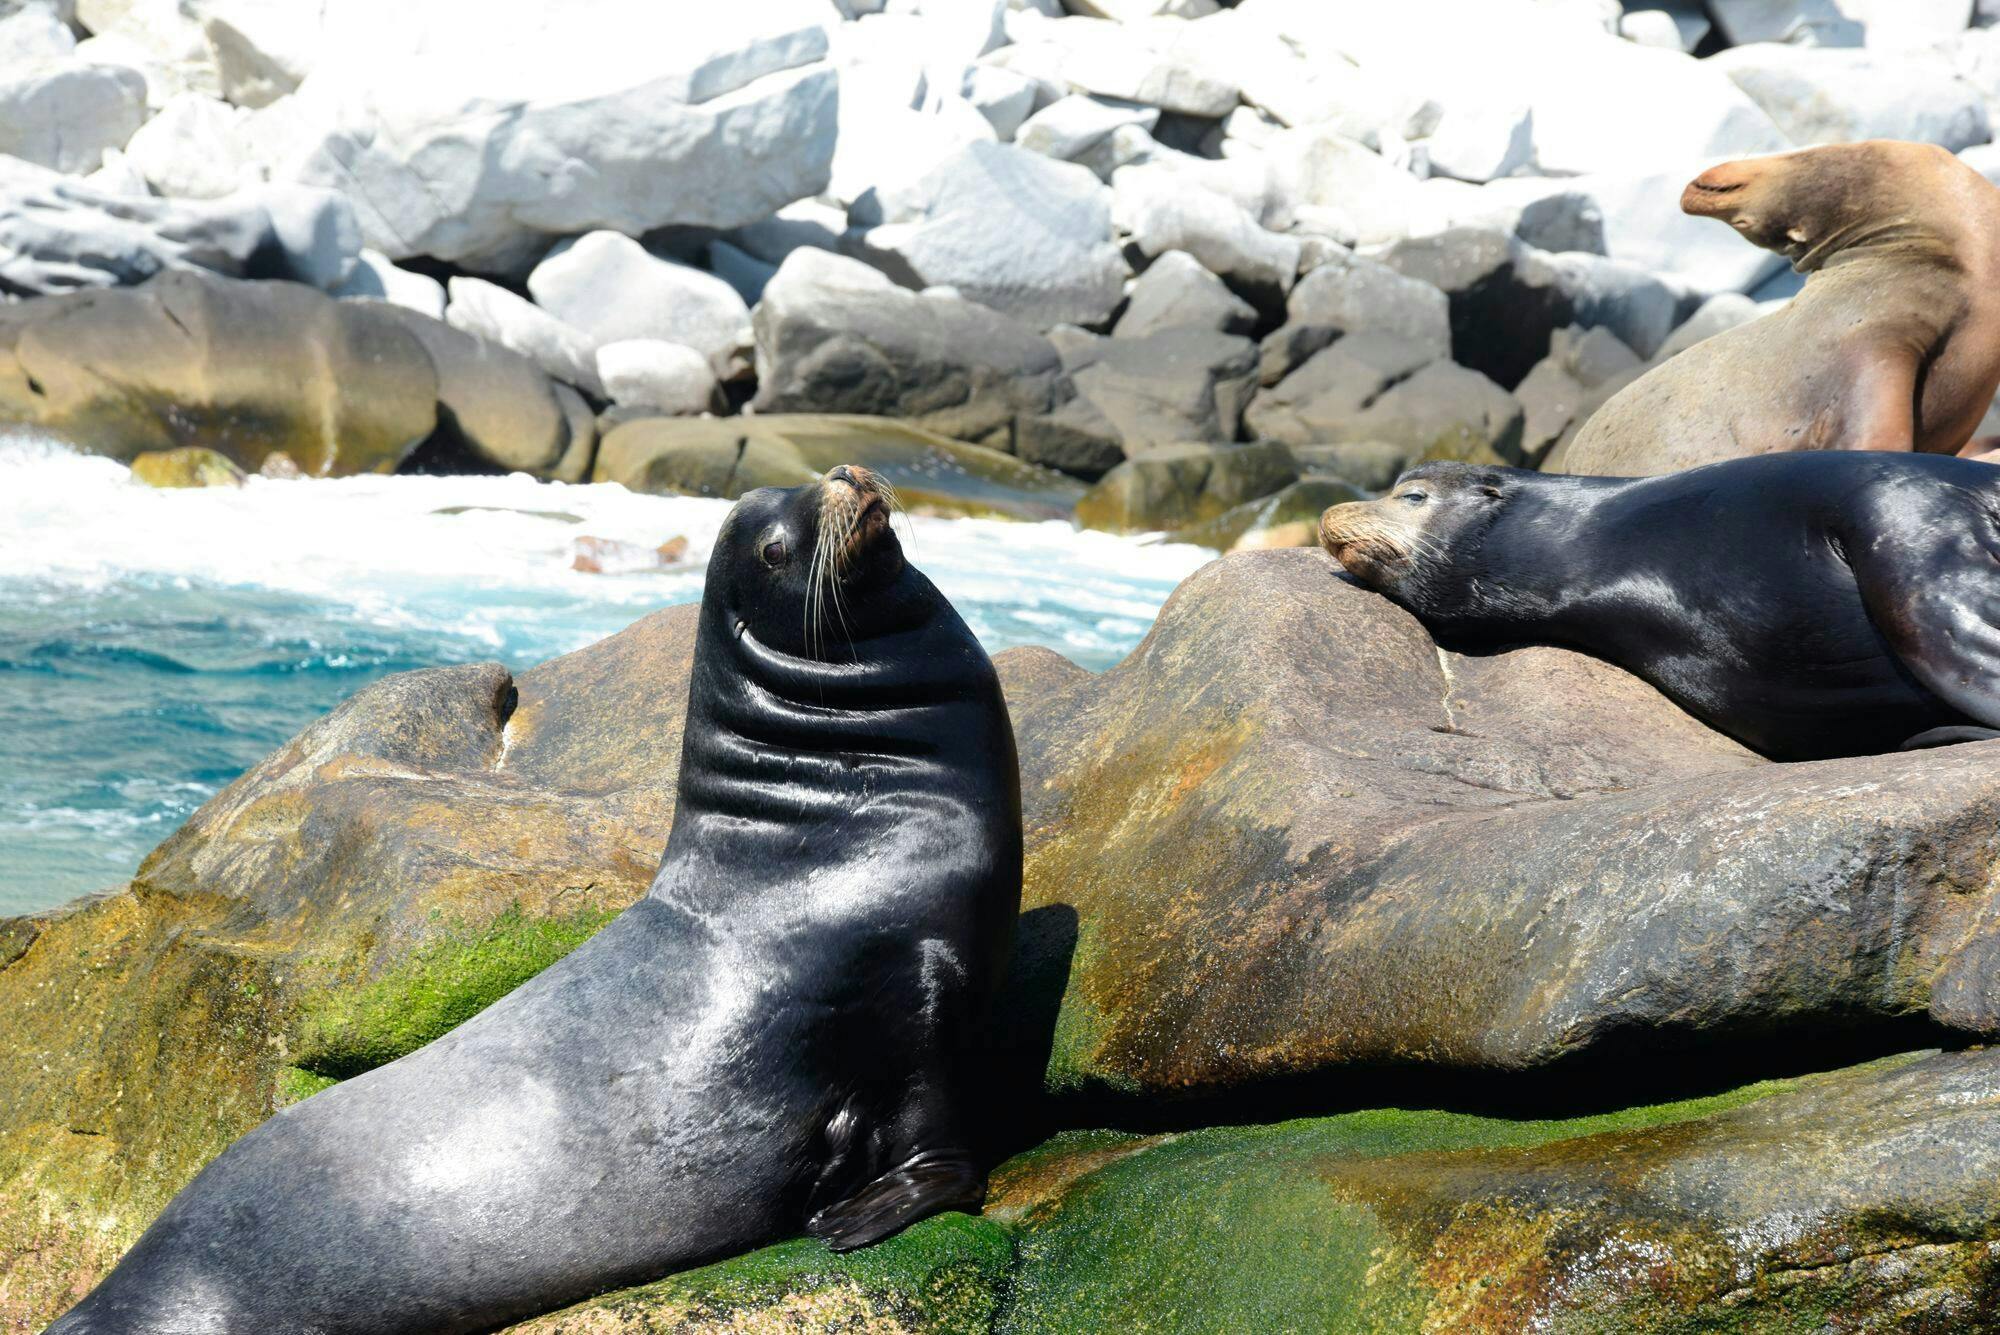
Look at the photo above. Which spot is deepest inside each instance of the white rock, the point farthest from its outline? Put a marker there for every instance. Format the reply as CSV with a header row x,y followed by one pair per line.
x,y
263,48
490,124
189,149
1008,228
1984,159
1901,25
157,39
1067,127
1690,22
59,234
1799,22
1652,27
375,277
1004,97
1473,143
652,373
33,38
1600,103
1719,313
1319,168
611,288
806,223
1161,62
1133,11
1299,86
1835,96
492,312
1643,226
884,145
1163,210
66,116
1549,213
118,177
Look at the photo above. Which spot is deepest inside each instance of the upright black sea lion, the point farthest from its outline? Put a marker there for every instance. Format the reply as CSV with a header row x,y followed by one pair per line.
x,y
1809,605
1894,343
775,1038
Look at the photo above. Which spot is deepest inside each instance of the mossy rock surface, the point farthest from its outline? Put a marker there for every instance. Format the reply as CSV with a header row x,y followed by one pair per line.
x,y
244,368
1180,486
190,466
725,457
1787,1206
1291,515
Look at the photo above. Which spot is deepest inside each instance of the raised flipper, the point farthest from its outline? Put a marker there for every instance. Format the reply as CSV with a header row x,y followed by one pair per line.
x,y
927,1182
1927,562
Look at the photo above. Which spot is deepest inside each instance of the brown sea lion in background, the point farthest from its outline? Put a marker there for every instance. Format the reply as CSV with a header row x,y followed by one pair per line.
x,y
1893,344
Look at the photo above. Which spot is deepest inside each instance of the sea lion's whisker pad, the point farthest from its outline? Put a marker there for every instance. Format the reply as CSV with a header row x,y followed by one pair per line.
x,y
1815,604
780,1037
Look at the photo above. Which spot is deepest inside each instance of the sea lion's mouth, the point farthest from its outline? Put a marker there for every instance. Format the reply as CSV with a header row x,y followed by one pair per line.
x,y
854,513
1366,545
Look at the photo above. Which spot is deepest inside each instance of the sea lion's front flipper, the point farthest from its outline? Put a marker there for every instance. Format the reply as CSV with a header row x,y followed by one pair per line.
x,y
1928,568
1950,736
926,1183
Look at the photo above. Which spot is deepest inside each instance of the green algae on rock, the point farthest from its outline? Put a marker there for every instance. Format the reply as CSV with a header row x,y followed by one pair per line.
x,y
945,1275
189,466
1177,486
725,457
1289,518
1778,1207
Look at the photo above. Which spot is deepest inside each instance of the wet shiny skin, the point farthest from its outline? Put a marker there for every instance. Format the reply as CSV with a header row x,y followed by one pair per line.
x,y
1809,605
776,1033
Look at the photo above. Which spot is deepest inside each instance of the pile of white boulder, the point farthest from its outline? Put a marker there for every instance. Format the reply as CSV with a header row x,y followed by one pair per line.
x,y
941,209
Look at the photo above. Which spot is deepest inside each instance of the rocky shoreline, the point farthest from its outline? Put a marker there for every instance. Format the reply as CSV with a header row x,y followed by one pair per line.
x,y
1352,871
1084,238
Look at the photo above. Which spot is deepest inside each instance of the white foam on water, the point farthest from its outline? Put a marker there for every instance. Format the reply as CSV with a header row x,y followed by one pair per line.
x,y
498,572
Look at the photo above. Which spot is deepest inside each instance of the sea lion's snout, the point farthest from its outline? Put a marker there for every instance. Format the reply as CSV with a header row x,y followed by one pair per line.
x,y
1716,192
1367,542
854,510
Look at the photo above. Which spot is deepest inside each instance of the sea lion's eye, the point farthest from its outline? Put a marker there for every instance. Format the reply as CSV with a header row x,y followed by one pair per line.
x,y
774,552
1414,497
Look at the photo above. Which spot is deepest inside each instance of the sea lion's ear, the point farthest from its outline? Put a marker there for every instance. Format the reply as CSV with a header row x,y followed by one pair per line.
x,y
1490,489
1796,235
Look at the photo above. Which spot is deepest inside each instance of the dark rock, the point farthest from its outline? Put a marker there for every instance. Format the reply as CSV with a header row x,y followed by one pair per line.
x,y
1175,292
1351,848
1349,294
1177,486
835,336
1370,465
244,368
1624,298
727,456
1506,297
1137,394
1554,394
1381,386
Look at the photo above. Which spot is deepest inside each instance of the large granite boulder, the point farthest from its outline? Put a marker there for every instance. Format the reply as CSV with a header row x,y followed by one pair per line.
x,y
1354,849
1822,96
609,287
727,456
58,234
1176,292
64,116
1134,395
1379,386
835,336
1505,297
245,368
1346,295
485,128
1010,229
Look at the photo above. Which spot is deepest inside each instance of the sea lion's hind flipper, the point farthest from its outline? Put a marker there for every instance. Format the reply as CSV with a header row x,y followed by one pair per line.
x,y
1928,571
1950,736
926,1183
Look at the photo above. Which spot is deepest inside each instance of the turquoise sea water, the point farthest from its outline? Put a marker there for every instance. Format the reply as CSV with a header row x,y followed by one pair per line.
x,y
153,645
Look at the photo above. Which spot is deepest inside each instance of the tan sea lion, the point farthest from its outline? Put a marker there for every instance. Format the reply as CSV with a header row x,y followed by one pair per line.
x,y
1893,344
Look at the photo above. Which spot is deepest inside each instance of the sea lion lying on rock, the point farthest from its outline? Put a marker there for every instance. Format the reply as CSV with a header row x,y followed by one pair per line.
x,y
1809,605
776,1038
1893,344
